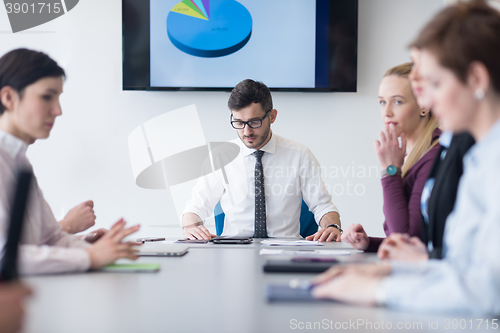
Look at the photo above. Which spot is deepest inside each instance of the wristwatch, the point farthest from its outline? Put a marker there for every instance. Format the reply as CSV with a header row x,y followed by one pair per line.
x,y
391,171
336,226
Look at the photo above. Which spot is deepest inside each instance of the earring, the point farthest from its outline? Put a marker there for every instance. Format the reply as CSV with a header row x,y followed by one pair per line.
x,y
423,113
479,94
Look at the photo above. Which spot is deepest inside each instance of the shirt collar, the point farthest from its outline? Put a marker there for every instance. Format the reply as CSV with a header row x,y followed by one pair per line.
x,y
483,148
270,147
11,145
445,139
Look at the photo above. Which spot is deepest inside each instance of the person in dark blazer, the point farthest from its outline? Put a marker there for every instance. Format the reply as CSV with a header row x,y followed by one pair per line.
x,y
446,172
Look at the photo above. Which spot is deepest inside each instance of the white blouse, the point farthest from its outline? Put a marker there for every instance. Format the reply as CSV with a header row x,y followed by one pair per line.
x,y
45,247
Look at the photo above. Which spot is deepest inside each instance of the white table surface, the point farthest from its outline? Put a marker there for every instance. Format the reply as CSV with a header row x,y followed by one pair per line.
x,y
213,288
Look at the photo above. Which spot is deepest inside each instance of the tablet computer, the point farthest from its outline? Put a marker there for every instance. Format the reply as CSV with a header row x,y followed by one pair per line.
x,y
220,240
288,266
285,293
232,240
161,250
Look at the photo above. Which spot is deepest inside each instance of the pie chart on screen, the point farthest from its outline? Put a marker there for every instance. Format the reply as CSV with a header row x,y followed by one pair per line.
x,y
209,28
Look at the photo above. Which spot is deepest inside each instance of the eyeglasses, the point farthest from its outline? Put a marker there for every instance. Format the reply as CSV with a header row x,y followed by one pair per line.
x,y
238,124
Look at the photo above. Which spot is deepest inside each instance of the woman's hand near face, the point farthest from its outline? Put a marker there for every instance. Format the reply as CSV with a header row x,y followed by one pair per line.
x,y
387,148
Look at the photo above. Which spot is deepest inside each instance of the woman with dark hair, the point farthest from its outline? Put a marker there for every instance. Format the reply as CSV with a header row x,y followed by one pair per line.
x,y
459,63
30,86
18,78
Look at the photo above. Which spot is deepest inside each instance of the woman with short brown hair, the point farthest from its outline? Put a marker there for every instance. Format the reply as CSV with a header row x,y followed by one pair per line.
x,y
459,64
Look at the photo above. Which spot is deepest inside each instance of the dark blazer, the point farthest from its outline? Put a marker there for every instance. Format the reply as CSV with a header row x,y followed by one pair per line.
x,y
447,173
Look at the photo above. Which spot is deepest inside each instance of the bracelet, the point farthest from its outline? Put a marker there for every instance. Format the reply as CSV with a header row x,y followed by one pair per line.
x,y
390,171
336,226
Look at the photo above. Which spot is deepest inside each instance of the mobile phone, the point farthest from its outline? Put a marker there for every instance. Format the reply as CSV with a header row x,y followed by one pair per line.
x,y
150,239
232,240
288,266
194,241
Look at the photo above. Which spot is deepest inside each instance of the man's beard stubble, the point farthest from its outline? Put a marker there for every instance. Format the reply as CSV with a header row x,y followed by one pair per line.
x,y
259,140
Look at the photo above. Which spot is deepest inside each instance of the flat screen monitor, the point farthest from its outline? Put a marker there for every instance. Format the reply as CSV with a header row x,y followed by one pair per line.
x,y
290,45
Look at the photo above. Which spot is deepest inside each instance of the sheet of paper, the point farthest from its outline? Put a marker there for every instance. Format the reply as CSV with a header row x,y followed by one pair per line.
x,y
290,243
308,253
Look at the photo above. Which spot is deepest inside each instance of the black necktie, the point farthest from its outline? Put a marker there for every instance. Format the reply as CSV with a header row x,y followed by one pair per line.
x,y
260,198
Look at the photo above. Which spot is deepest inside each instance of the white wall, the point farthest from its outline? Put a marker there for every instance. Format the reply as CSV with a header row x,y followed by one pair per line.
x,y
87,154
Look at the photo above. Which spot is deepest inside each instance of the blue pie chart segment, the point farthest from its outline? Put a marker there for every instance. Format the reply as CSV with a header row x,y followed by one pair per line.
x,y
228,29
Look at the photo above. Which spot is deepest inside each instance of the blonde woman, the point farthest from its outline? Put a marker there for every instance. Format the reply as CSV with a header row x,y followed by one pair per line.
x,y
405,166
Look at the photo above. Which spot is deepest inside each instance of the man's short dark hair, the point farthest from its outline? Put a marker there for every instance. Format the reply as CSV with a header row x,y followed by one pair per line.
x,y
21,67
249,91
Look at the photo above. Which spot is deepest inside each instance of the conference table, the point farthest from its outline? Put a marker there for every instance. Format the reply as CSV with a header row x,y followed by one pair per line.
x,y
213,288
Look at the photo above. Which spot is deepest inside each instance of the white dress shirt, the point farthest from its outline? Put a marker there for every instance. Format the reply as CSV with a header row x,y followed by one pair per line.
x,y
291,173
45,247
468,278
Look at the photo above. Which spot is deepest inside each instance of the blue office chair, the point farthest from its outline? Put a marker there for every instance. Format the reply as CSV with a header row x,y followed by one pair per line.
x,y
308,225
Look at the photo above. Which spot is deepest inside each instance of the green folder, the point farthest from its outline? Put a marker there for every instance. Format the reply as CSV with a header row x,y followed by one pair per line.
x,y
131,268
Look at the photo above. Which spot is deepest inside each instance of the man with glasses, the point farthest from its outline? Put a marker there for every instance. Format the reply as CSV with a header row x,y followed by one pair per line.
x,y
261,191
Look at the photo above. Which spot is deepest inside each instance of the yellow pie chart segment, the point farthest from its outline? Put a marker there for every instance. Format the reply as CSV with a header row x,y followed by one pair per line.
x,y
182,8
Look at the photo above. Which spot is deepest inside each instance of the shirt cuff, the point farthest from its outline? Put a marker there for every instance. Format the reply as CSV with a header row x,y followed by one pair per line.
x,y
403,267
318,216
381,292
84,261
46,259
196,211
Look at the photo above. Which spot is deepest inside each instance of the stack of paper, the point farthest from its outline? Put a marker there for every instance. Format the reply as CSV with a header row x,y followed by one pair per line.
x,y
290,243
